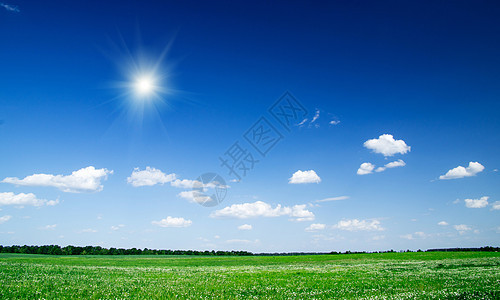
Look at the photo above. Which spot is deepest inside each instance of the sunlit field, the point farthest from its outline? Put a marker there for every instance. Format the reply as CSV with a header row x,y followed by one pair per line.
x,y
431,275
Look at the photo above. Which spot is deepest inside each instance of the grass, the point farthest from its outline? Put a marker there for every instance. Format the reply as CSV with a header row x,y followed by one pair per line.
x,y
428,275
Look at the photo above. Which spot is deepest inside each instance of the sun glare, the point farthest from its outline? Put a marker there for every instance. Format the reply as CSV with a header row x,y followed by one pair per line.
x,y
144,86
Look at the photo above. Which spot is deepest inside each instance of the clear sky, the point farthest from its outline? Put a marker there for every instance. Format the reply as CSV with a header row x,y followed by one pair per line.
x,y
110,111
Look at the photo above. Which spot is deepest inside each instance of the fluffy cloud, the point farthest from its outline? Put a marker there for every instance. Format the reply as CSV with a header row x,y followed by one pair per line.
x,y
4,219
495,205
304,177
477,203
461,172
357,225
333,199
394,164
245,227
84,180
152,176
149,176
23,199
173,222
315,227
443,223
387,145
262,209
365,168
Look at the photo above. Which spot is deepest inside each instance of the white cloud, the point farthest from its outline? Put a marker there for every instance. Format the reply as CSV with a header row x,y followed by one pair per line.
x,y
394,164
52,202
461,172
84,180
23,199
315,227
334,122
185,183
302,123
5,219
195,196
333,199
245,227
299,213
316,116
117,227
304,177
495,205
387,145
152,176
149,177
357,225
262,209
378,237
49,227
365,168
477,203
9,7
173,222
443,223
418,234
462,228
89,230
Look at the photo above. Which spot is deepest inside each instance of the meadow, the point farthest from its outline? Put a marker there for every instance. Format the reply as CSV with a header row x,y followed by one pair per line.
x,y
422,275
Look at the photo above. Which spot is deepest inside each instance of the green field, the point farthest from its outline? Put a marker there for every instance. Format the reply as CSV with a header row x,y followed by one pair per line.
x,y
426,275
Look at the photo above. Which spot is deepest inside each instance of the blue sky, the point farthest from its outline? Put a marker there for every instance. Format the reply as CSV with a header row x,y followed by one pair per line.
x,y
110,112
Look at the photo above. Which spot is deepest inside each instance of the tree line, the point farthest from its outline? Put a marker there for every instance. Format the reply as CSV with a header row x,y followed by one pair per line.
x,y
98,250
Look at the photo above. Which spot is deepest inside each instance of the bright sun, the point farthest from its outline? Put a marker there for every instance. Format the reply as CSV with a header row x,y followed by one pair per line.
x,y
144,86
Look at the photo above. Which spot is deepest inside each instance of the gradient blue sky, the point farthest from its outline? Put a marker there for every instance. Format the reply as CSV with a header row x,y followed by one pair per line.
x,y
425,72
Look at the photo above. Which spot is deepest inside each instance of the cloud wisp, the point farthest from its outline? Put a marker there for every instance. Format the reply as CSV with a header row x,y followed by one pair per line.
x,y
4,219
333,199
394,164
368,168
9,7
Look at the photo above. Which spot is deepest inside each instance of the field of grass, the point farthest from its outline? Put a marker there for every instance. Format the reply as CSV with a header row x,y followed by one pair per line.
x,y
428,275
